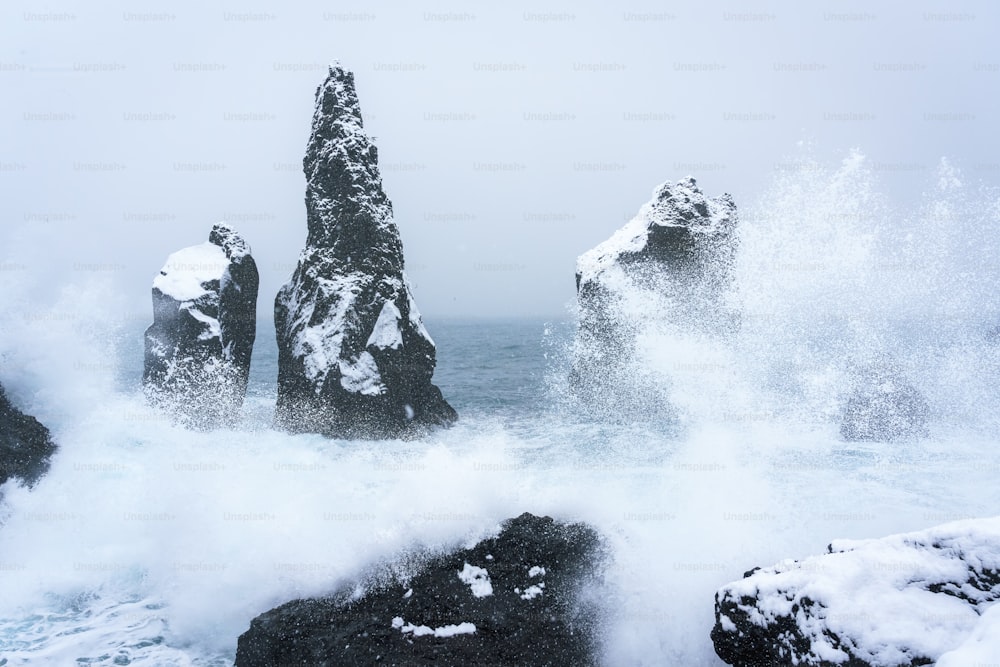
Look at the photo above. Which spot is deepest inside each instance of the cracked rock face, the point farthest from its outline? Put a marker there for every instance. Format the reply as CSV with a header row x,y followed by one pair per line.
x,y
198,348
902,600
668,267
354,358
519,598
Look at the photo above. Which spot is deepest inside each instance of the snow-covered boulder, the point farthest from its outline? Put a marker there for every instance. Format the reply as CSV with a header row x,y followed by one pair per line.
x,y
354,358
25,445
199,346
906,599
884,406
667,268
519,598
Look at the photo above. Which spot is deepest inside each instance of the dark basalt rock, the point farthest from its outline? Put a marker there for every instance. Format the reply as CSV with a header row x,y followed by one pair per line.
x,y
199,346
884,407
354,358
26,446
899,601
668,267
515,599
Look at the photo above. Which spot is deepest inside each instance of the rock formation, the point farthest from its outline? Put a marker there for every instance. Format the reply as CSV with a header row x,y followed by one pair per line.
x,y
25,445
884,407
354,358
515,599
204,323
668,267
901,600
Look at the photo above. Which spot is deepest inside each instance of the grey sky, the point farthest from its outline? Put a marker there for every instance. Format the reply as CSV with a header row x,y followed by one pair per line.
x,y
511,138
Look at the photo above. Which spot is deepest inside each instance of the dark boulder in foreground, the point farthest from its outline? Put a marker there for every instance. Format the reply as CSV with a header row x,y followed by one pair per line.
x,y
515,599
198,348
666,269
354,358
913,599
884,407
26,446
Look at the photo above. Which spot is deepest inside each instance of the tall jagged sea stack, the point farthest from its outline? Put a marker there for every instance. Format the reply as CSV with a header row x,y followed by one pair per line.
x,y
354,358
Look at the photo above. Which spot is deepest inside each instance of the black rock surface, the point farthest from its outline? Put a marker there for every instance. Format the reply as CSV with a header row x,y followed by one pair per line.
x,y
354,358
26,446
198,349
520,598
667,268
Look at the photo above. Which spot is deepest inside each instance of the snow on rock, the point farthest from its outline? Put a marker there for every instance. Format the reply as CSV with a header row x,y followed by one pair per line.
x,y
187,272
418,611
906,599
533,591
678,221
26,446
667,267
982,647
361,376
354,358
478,580
444,631
386,333
198,349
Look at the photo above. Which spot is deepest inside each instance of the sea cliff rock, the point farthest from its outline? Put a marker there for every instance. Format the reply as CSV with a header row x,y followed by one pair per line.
x,y
198,348
354,358
669,268
903,600
519,598
26,446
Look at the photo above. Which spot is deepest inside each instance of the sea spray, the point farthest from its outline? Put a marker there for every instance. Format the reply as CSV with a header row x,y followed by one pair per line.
x,y
153,542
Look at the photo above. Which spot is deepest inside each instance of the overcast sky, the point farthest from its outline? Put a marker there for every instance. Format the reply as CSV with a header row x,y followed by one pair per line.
x,y
511,138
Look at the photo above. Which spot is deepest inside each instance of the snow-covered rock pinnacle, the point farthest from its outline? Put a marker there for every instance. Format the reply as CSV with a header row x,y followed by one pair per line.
x,y
667,269
199,346
354,358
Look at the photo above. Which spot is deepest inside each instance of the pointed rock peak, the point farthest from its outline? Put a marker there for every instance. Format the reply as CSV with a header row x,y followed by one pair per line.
x,y
684,203
354,358
336,98
347,210
229,240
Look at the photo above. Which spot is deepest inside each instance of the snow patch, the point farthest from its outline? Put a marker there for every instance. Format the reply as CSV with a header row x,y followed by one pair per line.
x,y
212,328
478,580
361,376
536,571
386,333
982,647
415,319
186,271
532,592
424,630
904,577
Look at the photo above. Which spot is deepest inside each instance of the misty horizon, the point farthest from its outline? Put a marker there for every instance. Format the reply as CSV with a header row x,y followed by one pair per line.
x,y
510,140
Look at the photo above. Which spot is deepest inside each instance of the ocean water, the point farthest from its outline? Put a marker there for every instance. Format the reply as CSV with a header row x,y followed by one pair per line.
x,y
148,544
